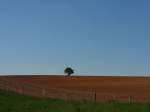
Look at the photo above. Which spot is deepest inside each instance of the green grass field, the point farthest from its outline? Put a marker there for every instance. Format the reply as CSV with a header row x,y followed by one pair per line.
x,y
13,102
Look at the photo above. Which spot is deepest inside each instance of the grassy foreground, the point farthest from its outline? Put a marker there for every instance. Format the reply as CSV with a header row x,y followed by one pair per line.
x,y
13,102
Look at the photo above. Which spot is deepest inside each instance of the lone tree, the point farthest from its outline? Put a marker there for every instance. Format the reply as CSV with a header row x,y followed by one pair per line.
x,y
69,71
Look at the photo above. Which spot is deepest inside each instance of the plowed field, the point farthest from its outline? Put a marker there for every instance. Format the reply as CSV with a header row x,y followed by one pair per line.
x,y
121,88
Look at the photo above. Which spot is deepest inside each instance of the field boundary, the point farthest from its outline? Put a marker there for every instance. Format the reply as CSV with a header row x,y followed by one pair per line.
x,y
23,87
55,93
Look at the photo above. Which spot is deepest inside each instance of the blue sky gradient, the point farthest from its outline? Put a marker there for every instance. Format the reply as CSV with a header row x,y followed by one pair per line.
x,y
95,37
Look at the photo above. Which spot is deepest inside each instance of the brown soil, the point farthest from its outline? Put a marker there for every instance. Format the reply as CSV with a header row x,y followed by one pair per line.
x,y
122,88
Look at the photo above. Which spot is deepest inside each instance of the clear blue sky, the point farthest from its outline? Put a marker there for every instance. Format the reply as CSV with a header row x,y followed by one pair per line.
x,y
100,37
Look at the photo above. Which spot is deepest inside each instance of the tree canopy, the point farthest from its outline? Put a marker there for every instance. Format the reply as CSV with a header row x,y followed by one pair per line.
x,y
69,71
